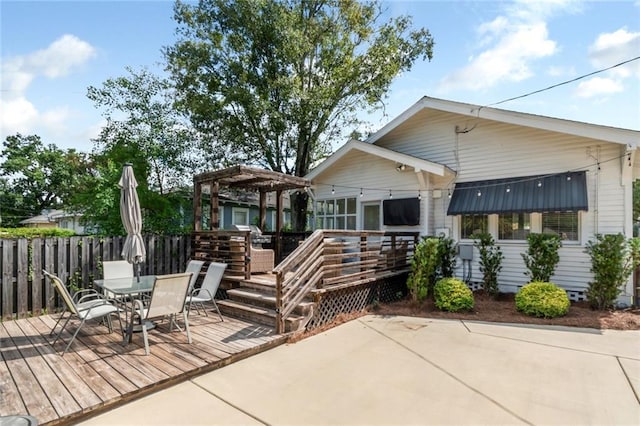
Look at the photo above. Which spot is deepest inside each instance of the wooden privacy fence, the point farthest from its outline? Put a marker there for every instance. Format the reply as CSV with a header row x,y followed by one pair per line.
x,y
77,261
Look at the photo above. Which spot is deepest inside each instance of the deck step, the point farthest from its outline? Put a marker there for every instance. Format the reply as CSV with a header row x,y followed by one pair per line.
x,y
262,286
257,314
262,299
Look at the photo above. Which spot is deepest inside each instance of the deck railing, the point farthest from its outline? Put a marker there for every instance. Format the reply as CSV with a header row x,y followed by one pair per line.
x,y
330,259
230,247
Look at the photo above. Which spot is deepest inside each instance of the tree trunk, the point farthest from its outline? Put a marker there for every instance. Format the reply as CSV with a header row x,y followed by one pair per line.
x,y
299,211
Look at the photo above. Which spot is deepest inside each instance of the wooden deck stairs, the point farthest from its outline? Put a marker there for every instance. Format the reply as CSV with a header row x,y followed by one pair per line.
x,y
254,299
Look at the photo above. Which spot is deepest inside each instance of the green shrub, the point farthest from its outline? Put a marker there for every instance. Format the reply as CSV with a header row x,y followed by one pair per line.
x,y
490,262
542,299
452,295
35,232
542,256
423,269
446,256
613,258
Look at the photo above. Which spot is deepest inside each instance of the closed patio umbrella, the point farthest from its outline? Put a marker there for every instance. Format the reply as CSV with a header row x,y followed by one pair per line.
x,y
133,250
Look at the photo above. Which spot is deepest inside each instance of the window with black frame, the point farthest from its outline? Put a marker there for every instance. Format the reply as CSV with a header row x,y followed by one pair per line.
x,y
473,224
563,224
514,226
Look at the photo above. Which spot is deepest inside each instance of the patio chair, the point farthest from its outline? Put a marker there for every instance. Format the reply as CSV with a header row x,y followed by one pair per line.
x,y
262,260
194,266
167,300
85,305
113,269
207,292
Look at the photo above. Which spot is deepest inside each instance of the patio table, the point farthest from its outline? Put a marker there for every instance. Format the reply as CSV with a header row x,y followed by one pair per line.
x,y
126,288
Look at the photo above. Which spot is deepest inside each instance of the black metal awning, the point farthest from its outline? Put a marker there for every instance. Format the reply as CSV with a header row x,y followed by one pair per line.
x,y
560,192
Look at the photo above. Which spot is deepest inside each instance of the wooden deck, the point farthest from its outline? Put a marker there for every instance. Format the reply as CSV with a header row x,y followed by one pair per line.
x,y
99,373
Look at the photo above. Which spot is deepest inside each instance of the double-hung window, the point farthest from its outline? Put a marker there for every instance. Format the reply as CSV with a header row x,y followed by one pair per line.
x,y
473,224
564,224
339,213
514,226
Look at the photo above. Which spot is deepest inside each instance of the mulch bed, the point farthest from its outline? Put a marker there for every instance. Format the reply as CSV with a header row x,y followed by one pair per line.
x,y
502,309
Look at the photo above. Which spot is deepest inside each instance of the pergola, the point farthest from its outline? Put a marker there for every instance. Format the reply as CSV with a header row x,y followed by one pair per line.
x,y
246,178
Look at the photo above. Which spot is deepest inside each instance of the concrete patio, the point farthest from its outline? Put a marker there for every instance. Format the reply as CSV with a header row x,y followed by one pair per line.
x,y
401,371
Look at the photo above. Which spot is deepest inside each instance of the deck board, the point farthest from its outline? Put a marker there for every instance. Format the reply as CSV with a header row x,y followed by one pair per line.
x,y
99,372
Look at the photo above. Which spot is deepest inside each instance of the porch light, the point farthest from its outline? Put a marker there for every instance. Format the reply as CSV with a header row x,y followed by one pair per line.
x,y
401,167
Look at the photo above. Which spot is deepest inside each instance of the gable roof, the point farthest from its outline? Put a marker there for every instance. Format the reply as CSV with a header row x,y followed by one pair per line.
x,y
576,128
417,163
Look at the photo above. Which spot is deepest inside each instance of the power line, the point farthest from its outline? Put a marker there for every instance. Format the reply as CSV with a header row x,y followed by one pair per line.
x,y
563,83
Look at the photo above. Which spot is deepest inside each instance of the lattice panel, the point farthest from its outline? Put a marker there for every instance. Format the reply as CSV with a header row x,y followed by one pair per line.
x,y
576,295
347,300
337,302
474,285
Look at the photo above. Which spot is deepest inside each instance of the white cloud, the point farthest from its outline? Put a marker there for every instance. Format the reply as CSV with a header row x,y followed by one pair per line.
x,y
512,41
61,58
561,71
613,48
598,86
508,59
16,116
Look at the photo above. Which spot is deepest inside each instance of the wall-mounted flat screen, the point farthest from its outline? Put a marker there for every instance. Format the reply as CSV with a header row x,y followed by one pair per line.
x,y
401,212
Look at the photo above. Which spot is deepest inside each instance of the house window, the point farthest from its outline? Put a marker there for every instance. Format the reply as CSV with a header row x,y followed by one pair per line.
x,y
514,226
239,216
473,224
564,224
339,213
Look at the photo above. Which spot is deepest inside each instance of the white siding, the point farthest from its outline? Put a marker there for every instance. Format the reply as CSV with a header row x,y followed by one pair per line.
x,y
479,149
490,150
376,177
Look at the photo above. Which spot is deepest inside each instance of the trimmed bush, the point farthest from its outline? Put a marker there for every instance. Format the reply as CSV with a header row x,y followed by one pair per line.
x,y
613,258
35,232
490,262
423,269
542,299
452,295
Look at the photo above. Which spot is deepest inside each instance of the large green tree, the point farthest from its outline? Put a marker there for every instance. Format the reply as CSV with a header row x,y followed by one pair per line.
x,y
38,176
273,82
141,117
144,129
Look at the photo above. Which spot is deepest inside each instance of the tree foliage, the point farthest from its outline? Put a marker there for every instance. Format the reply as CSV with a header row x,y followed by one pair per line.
x,y
141,118
143,128
274,82
98,195
37,177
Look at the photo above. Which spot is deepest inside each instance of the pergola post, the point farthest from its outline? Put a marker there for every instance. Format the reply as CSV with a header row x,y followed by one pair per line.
x,y
263,210
197,206
279,221
215,206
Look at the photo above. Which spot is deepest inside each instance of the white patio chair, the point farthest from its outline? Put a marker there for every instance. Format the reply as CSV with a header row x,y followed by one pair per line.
x,y
113,269
116,269
207,292
87,305
167,300
194,266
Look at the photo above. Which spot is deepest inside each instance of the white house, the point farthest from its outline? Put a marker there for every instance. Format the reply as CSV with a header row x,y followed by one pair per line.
x,y
473,168
55,219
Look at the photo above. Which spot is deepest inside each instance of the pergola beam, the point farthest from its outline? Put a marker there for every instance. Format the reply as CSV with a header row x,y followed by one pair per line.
x,y
248,178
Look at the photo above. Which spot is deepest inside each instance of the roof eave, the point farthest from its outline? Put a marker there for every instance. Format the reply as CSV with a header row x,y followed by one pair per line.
x,y
576,128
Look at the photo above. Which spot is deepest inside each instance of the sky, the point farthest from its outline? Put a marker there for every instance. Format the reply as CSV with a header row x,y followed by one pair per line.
x,y
485,52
